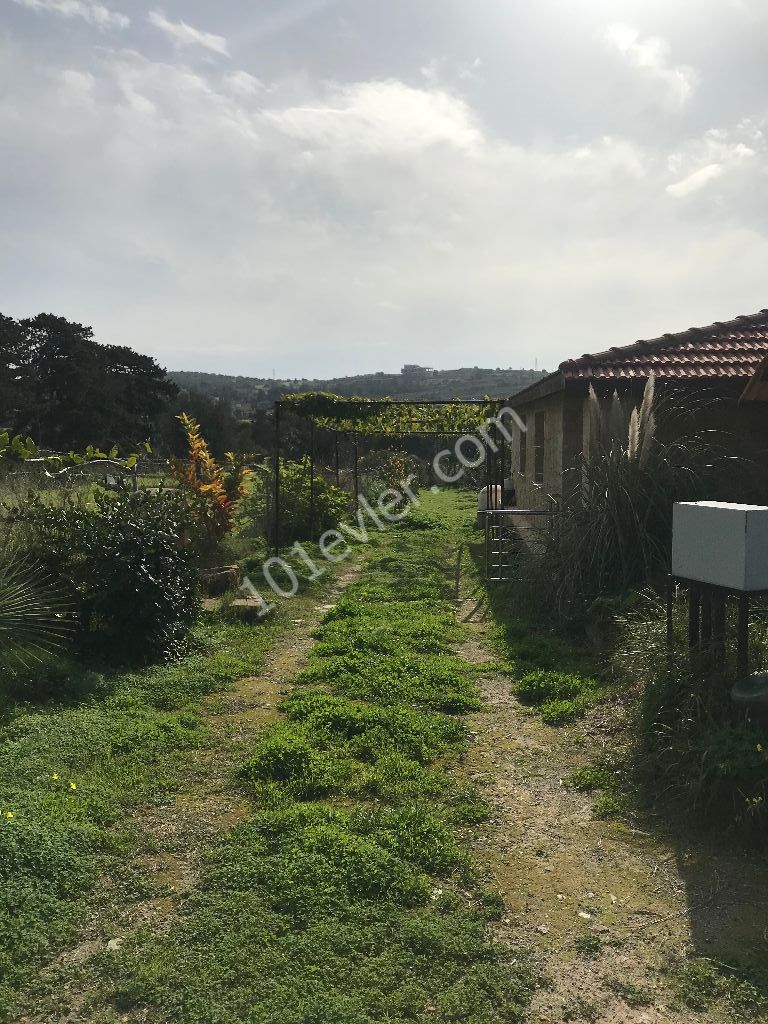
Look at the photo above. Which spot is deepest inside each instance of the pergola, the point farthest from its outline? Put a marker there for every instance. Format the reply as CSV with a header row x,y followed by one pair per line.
x,y
354,418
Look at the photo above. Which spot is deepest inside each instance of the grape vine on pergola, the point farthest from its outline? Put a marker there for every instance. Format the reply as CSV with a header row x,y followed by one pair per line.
x,y
354,418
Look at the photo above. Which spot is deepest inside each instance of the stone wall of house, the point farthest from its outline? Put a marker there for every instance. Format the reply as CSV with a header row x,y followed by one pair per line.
x,y
741,428
546,415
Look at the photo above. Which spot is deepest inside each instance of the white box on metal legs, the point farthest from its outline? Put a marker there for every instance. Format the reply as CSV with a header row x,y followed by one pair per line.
x,y
722,544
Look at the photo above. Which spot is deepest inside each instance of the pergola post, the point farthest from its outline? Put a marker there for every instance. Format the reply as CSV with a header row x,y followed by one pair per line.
x,y
312,480
355,417
355,478
276,494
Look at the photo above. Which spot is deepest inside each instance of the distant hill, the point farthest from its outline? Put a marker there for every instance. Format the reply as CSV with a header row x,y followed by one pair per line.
x,y
247,394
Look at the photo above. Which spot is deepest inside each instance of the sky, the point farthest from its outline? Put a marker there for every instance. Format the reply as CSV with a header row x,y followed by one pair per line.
x,y
310,188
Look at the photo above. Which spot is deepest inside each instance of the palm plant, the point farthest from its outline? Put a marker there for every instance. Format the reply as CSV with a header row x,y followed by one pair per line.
x,y
32,615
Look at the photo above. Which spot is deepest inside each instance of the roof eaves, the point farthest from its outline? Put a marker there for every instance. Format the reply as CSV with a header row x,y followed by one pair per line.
x,y
548,385
649,345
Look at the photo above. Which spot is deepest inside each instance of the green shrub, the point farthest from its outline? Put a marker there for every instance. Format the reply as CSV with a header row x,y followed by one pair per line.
x,y
706,755
395,778
311,859
421,837
559,697
333,745
331,504
125,562
542,686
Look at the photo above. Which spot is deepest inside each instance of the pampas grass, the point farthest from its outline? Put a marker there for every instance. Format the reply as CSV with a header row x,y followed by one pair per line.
x,y
615,530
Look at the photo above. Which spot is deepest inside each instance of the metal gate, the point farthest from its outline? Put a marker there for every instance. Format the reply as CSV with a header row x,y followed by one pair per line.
x,y
514,537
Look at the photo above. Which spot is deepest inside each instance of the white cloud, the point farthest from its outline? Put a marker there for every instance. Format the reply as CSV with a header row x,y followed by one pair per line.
x,y
183,35
650,56
696,180
716,154
77,86
243,84
381,117
95,13
439,71
235,226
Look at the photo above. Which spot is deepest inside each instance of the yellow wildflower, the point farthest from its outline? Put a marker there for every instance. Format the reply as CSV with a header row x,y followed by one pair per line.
x,y
73,785
55,776
9,814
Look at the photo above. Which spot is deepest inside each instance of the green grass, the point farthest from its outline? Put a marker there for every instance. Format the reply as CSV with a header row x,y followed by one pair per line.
x,y
433,681
588,945
558,673
348,896
586,780
78,748
633,995
699,984
608,805
577,1008
559,697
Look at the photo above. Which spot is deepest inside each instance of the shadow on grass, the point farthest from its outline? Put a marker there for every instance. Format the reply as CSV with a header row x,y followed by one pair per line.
x,y
54,680
723,878
526,643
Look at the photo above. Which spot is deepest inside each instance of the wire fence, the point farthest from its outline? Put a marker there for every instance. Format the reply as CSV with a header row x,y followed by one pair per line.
x,y
20,481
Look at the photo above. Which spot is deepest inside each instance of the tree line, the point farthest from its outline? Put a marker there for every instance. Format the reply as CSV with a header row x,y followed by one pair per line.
x,y
66,390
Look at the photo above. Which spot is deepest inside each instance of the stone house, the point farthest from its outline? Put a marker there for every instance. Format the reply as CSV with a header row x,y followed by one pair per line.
x,y
711,368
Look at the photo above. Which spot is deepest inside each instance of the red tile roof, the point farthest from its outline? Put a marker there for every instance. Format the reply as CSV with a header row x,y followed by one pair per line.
x,y
732,349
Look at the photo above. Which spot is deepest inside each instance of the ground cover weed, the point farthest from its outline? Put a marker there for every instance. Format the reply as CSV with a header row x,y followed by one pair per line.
x,y
700,983
559,697
79,744
347,898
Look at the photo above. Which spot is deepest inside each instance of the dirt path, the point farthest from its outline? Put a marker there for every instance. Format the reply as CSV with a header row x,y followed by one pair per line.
x,y
608,908
170,839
